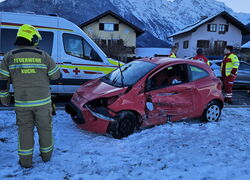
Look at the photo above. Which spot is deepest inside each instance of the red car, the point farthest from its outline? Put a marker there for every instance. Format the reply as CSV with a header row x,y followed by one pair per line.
x,y
147,92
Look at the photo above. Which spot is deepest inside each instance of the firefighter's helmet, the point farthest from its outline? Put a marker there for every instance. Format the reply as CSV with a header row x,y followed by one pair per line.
x,y
30,33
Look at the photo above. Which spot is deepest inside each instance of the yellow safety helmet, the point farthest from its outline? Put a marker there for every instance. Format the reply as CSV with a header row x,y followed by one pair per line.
x,y
30,33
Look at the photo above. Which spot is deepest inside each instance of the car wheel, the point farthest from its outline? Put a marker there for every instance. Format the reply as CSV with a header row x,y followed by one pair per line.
x,y
124,125
212,112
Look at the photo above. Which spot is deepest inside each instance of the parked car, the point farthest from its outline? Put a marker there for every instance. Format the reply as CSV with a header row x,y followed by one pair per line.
x,y
147,92
243,76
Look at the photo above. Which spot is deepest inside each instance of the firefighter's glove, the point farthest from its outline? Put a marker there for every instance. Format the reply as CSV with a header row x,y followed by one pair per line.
x,y
6,100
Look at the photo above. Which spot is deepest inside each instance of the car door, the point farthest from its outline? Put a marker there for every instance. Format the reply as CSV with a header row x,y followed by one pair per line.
x,y
243,75
170,101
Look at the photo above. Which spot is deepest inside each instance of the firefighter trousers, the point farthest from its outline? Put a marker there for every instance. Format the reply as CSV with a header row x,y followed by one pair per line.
x,y
26,119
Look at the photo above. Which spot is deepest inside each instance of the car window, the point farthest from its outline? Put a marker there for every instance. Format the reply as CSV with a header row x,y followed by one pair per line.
x,y
8,38
244,65
129,74
197,73
169,76
76,46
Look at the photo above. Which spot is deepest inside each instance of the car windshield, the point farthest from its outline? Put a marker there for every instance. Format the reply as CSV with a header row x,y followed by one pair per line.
x,y
129,74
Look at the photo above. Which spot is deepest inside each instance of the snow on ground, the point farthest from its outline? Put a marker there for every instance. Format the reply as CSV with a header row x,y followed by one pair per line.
x,y
183,150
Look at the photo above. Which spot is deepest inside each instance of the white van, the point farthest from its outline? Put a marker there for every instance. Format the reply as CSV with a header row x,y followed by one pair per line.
x,y
78,57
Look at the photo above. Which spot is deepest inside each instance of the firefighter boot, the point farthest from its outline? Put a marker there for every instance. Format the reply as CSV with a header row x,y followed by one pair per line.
x,y
25,161
46,156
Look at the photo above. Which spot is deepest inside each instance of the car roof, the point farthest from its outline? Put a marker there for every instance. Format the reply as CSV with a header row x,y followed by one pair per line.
x,y
162,61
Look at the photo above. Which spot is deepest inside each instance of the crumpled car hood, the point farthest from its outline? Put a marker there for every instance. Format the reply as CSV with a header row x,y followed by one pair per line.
x,y
96,88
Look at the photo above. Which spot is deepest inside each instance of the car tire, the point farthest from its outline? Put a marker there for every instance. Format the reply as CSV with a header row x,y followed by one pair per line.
x,y
212,112
124,125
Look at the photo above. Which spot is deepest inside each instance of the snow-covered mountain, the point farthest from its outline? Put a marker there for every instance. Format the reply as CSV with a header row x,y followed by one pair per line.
x,y
159,18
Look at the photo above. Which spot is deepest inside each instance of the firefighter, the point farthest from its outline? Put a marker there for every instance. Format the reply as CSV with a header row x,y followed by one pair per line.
x,y
229,67
30,71
199,56
173,52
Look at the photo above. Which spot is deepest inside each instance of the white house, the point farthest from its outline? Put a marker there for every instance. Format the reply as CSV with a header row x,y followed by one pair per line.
x,y
210,32
109,28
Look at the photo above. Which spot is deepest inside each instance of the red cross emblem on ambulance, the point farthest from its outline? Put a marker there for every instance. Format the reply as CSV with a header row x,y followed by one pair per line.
x,y
76,71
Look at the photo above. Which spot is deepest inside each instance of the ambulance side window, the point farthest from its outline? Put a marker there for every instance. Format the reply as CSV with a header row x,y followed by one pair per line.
x,y
46,43
76,46
8,38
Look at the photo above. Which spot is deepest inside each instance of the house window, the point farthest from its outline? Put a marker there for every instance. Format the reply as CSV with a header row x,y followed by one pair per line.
x,y
108,27
185,45
223,28
203,44
220,44
212,27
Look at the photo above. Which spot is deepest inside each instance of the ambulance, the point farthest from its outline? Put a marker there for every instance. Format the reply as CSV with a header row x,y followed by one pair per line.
x,y
78,57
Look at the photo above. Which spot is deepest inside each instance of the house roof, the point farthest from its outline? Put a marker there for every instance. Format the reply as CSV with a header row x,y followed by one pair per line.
x,y
224,14
246,45
137,29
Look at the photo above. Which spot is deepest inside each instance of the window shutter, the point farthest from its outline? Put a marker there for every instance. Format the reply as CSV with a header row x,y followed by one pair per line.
x,y
226,28
116,27
208,27
101,26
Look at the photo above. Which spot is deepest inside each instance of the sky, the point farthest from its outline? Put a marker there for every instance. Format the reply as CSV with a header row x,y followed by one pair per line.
x,y
238,5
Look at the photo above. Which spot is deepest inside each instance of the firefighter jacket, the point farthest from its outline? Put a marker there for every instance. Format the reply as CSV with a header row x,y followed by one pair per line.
x,y
230,65
30,71
202,58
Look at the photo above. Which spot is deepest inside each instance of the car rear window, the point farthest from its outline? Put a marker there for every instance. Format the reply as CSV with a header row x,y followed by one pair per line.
x,y
197,73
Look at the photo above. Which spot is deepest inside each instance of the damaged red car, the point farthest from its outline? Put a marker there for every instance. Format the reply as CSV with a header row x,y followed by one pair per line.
x,y
147,92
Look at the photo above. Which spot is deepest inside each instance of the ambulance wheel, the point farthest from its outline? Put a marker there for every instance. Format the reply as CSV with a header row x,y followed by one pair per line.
x,y
212,112
124,125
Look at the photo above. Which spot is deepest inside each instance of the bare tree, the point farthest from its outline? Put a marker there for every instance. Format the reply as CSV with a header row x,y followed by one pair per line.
x,y
114,48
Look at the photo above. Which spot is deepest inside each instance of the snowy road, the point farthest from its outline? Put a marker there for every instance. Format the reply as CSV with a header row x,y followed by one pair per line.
x,y
172,151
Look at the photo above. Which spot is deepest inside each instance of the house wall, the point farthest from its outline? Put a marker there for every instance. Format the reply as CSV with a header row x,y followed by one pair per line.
x,y
233,37
180,39
125,32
